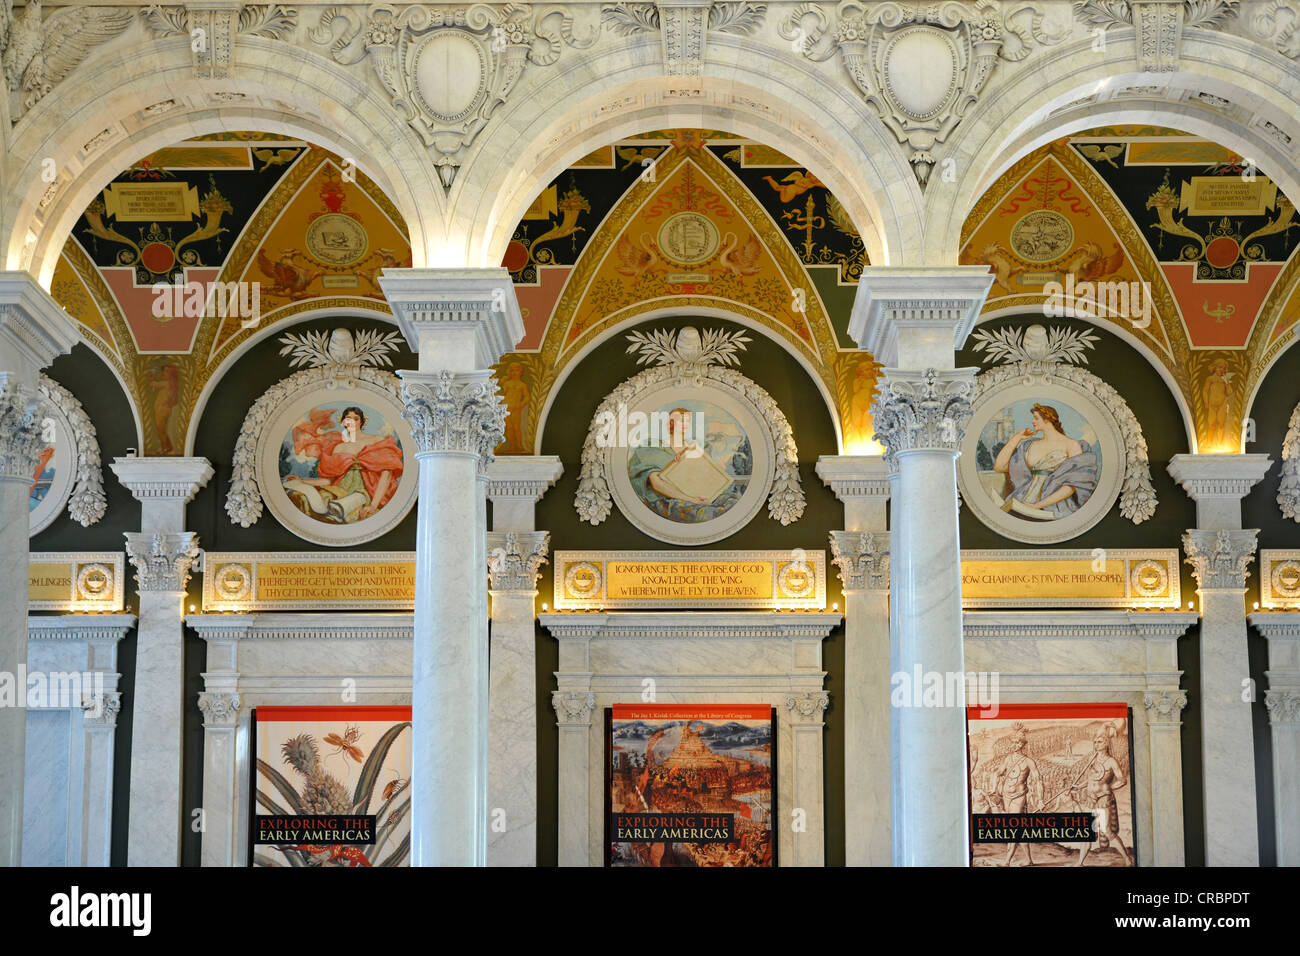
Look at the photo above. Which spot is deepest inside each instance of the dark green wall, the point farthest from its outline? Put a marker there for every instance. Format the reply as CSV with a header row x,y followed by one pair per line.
x,y
605,367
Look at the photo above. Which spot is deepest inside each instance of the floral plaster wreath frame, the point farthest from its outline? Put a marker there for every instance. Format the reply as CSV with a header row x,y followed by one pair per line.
x,y
1048,364
693,367
343,371
78,469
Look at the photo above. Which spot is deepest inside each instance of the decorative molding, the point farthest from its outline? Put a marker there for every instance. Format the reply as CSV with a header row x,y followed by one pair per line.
x,y
1164,706
1219,559
1229,477
526,477
337,359
916,411
1283,706
162,561
1159,25
685,357
515,559
1288,489
573,708
855,476
87,503
455,414
220,708
101,709
490,48
22,410
40,54
90,628
1278,26
685,625
683,27
212,32
810,705
962,44
302,627
1038,356
862,558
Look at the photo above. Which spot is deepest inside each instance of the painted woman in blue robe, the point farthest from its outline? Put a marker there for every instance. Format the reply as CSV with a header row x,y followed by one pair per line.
x,y
1053,473
646,467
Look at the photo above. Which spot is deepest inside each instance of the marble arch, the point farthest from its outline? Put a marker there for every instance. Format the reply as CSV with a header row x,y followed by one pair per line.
x,y
815,120
1017,116
111,93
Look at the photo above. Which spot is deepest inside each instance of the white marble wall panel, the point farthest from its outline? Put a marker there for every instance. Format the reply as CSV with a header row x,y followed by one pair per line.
x,y
47,802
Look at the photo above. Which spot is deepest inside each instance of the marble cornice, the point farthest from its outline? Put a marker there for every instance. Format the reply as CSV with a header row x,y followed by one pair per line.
x,y
340,626
96,628
1076,625
686,625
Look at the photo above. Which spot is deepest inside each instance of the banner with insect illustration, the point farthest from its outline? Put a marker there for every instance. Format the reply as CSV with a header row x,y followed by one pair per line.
x,y
1051,785
331,786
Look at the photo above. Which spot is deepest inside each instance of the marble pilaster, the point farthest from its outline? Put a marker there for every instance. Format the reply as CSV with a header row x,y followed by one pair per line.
x,y
1282,699
163,554
861,552
33,330
460,322
912,320
1164,724
804,711
573,712
1220,552
220,711
514,558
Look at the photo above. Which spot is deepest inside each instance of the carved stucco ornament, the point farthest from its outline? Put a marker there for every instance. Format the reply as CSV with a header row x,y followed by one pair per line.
x,y
1288,490
1157,24
212,32
414,51
920,66
684,26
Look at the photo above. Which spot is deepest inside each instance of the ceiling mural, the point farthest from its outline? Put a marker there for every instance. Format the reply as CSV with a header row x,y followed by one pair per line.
x,y
688,219
1208,240
242,230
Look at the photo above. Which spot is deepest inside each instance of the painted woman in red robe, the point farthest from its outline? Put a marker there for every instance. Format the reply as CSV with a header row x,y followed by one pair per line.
x,y
348,462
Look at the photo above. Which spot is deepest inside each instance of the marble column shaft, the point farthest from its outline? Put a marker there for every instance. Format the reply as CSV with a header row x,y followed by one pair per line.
x,y
220,765
1282,699
806,730
921,418
573,712
457,421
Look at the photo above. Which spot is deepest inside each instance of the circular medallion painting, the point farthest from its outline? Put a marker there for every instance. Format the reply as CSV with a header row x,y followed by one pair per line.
x,y
688,238
1040,463
693,464
336,239
1042,235
336,466
52,478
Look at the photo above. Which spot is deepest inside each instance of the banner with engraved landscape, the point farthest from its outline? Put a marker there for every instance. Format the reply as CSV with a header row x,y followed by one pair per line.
x,y
690,785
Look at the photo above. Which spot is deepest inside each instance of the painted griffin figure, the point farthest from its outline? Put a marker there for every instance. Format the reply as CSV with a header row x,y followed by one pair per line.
x,y
38,54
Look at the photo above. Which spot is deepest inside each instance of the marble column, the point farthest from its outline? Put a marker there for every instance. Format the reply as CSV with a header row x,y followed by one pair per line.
x,y
515,485
460,322
1282,631
912,320
1219,552
861,552
1164,725
573,712
33,330
162,553
514,560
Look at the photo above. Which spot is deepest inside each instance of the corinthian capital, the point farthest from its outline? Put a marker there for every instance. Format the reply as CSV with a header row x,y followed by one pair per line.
x,y
1219,558
923,410
573,708
162,561
863,559
514,558
450,413
21,411
220,709
1164,706
1283,706
810,705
